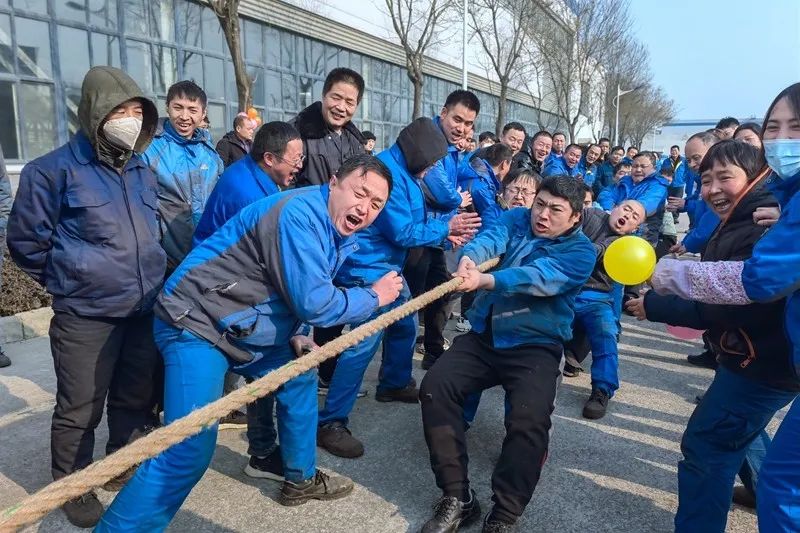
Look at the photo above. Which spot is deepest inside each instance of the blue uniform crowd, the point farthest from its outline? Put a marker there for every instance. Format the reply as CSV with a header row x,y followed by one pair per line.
x,y
177,267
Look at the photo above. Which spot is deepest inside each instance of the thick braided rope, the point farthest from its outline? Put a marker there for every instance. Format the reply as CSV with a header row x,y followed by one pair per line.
x,y
34,507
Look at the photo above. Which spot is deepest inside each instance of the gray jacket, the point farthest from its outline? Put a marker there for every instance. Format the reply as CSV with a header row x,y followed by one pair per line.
x,y
6,199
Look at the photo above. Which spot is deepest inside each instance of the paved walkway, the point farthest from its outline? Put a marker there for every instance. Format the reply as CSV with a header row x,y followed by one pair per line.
x,y
616,474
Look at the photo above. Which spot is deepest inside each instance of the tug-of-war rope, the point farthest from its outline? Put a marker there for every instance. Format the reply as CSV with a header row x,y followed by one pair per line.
x,y
37,505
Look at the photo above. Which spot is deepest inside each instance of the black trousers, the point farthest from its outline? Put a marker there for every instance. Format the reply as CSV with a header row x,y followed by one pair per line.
x,y
425,269
97,359
529,375
323,336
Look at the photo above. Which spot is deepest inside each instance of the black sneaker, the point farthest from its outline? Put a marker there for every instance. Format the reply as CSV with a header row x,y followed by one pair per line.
x,y
4,360
116,484
571,371
320,487
269,467
596,405
704,360
337,439
408,394
234,420
490,525
450,513
84,511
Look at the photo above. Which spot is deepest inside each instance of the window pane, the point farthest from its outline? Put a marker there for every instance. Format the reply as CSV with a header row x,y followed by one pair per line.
x,y
73,99
305,92
193,67
33,40
258,89
37,6
215,78
136,17
230,83
39,129
213,40
74,64
253,42
273,89
6,56
139,61
166,68
161,19
105,50
188,22
273,44
287,51
103,13
73,10
355,62
8,136
289,91
216,116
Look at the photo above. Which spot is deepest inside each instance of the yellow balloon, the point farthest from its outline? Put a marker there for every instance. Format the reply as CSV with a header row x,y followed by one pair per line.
x,y
630,260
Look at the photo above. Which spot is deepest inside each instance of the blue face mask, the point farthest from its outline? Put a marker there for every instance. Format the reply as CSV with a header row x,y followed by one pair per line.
x,y
783,156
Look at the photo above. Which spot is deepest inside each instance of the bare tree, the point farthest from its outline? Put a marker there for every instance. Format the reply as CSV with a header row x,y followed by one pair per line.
x,y
417,25
643,111
598,31
500,27
227,12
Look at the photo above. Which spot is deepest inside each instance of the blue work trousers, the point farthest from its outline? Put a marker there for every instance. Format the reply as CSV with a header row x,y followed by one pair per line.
x,y
594,311
733,413
779,482
194,376
395,373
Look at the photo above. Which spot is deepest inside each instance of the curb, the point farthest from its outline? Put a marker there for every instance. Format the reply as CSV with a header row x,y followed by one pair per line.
x,y
26,325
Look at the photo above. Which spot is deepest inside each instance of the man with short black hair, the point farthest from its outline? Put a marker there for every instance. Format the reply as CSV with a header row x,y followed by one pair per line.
x,y
487,138
327,129
726,127
521,317
605,147
369,141
630,154
566,165
426,267
187,166
249,309
513,136
236,144
605,172
269,168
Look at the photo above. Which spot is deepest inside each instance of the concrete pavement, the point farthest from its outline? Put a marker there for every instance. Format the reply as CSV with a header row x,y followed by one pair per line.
x,y
615,474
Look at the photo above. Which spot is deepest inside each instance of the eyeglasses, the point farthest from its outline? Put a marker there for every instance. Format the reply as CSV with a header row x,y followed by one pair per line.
x,y
298,163
513,191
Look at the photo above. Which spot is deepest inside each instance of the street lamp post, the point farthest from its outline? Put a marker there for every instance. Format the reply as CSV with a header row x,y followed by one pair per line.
x,y
616,105
464,48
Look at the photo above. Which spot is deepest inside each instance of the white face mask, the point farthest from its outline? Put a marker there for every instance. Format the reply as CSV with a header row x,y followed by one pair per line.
x,y
123,132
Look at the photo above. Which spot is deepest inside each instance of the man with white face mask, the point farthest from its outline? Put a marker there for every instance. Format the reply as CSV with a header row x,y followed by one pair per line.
x,y
84,225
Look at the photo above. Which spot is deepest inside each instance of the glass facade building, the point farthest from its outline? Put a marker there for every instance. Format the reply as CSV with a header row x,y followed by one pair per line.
x,y
46,47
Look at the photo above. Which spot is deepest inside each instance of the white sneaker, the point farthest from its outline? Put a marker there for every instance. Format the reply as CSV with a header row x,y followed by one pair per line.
x,y
463,325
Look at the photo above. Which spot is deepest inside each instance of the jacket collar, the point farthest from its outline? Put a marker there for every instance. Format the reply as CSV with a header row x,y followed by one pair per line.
x,y
84,151
310,124
263,179
165,129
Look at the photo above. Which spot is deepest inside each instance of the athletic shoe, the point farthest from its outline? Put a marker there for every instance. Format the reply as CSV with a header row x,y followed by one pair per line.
x,y
84,511
4,360
463,325
269,467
